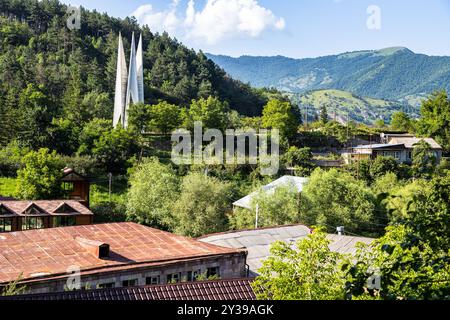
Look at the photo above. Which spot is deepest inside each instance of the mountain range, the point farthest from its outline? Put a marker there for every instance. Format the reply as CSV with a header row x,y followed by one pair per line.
x,y
393,74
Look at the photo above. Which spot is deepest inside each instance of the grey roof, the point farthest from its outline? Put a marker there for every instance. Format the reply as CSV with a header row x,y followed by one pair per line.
x,y
410,142
258,242
285,181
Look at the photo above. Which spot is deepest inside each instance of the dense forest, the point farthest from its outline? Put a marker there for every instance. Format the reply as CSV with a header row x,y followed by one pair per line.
x,y
54,80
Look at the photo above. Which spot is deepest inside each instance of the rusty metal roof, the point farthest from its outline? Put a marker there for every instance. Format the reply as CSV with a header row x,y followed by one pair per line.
x,y
48,253
197,291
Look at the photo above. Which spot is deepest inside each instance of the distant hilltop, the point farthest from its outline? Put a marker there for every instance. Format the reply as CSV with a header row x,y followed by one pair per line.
x,y
396,73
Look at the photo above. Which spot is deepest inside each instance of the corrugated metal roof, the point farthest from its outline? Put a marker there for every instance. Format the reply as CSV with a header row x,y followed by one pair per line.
x,y
286,181
47,253
240,290
258,242
48,207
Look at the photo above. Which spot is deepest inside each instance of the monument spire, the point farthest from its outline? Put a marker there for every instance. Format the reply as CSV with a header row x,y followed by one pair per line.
x,y
132,88
121,85
140,69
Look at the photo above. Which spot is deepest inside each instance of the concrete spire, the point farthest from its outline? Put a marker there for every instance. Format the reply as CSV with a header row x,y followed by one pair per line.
x,y
140,69
132,88
121,85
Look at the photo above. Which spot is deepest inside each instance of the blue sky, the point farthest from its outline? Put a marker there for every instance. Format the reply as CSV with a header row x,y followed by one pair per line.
x,y
294,28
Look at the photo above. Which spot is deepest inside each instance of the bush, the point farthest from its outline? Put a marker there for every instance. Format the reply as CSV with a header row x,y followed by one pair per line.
x,y
40,176
109,212
10,158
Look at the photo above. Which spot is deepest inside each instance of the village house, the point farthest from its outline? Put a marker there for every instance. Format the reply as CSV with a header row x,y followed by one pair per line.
x,y
30,215
111,256
397,146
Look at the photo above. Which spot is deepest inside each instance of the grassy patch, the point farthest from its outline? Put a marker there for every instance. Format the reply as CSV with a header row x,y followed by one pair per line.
x,y
8,187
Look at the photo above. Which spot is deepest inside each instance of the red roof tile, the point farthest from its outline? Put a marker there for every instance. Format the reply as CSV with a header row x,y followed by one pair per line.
x,y
240,290
52,251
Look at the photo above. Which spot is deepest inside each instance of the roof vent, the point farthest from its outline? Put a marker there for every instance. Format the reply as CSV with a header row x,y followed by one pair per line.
x,y
98,249
340,230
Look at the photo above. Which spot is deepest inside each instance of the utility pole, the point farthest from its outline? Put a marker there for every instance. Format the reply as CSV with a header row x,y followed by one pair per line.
x,y
110,186
257,216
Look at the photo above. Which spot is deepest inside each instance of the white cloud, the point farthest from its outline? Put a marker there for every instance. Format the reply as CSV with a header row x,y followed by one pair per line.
x,y
159,21
218,20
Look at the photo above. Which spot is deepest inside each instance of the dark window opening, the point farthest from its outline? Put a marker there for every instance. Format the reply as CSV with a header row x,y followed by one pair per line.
x,y
5,225
173,278
5,211
129,283
213,272
107,285
64,221
151,281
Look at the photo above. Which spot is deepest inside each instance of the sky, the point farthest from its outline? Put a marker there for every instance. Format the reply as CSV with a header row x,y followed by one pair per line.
x,y
292,28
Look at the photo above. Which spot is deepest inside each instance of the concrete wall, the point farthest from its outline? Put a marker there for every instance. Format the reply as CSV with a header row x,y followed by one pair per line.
x,y
230,267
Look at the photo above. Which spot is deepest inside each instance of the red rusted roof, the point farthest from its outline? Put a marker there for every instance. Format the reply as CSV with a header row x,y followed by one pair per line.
x,y
197,291
48,253
48,207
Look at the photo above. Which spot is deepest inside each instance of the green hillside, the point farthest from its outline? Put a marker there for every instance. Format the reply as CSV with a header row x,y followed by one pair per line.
x,y
48,71
344,106
392,73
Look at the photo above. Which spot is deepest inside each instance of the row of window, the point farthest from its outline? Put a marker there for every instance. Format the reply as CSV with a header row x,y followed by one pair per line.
x,y
191,276
32,223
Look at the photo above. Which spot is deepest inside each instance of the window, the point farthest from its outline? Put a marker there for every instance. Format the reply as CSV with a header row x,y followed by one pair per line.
x,y
129,283
109,285
5,225
173,278
213,272
397,155
152,281
4,211
65,208
192,276
410,156
32,223
62,221
68,186
33,210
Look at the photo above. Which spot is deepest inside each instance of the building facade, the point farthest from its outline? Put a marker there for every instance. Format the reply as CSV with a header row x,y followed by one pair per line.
x,y
30,215
111,256
397,146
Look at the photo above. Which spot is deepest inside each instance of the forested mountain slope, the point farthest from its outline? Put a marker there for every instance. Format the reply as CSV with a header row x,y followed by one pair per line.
x,y
49,72
392,73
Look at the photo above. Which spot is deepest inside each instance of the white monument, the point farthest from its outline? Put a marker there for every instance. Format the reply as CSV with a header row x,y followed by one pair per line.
x,y
129,84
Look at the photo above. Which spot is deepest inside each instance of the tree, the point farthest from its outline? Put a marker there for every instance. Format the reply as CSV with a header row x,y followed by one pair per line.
x,y
411,260
383,165
39,177
424,160
435,120
310,271
153,188
164,117
401,122
202,206
323,117
139,117
379,123
91,133
211,112
278,115
114,149
332,199
300,158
